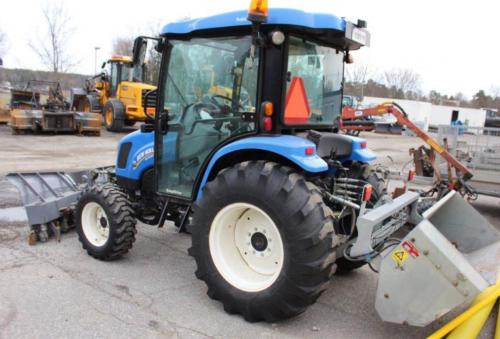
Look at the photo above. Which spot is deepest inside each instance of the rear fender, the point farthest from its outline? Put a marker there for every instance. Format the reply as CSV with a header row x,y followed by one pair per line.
x,y
360,152
290,147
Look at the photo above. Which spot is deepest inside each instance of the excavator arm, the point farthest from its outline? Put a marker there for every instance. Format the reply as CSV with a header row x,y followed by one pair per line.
x,y
351,116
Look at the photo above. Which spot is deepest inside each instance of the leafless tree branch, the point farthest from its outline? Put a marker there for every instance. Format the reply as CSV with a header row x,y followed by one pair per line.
x,y
52,48
123,46
402,82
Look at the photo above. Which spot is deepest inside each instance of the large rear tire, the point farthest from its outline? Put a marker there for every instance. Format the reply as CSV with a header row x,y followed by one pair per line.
x,y
263,241
105,222
366,173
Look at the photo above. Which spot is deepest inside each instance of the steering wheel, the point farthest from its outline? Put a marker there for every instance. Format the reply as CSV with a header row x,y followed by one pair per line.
x,y
213,98
192,113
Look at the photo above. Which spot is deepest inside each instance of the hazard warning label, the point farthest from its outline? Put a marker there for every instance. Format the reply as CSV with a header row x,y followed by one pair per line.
x,y
399,255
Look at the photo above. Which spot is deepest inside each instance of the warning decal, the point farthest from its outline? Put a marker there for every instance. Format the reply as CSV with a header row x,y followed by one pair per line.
x,y
399,255
435,145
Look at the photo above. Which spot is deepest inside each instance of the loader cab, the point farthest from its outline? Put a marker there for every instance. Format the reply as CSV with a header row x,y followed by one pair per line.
x,y
235,76
120,68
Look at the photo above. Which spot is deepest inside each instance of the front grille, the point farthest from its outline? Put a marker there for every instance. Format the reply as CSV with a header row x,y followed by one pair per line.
x,y
151,100
123,154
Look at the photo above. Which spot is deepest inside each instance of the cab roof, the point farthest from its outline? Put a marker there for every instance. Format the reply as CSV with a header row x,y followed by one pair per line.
x,y
277,16
324,27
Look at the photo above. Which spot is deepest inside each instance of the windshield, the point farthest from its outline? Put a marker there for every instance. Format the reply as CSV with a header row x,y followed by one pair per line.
x,y
314,83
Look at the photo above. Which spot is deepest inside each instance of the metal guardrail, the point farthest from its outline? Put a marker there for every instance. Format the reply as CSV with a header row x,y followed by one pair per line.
x,y
479,149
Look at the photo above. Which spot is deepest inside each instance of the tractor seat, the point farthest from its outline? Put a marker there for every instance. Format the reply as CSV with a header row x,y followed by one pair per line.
x,y
328,143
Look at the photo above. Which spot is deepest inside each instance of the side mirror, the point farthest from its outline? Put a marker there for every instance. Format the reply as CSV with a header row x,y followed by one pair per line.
x,y
103,64
139,50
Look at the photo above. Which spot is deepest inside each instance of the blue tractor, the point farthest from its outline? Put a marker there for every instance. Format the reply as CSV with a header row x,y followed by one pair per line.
x,y
243,151
242,154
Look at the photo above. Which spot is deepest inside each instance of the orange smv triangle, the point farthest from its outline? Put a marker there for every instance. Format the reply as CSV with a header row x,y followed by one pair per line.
x,y
297,109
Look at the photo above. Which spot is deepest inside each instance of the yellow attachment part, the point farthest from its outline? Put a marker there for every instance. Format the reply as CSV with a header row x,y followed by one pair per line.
x,y
497,328
469,323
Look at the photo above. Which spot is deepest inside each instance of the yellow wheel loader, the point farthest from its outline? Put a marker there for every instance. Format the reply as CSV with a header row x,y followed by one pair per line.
x,y
117,92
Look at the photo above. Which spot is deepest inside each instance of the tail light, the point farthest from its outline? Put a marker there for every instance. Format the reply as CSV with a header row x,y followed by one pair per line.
x,y
363,144
367,192
309,150
267,110
411,175
268,124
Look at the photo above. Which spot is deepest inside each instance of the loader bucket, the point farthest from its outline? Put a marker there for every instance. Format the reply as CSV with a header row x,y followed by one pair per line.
x,y
443,263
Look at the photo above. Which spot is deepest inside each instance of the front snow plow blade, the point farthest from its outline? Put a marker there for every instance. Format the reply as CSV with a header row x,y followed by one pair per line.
x,y
49,198
444,262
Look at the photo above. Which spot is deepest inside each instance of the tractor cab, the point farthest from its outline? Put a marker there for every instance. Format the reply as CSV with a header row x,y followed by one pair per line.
x,y
233,76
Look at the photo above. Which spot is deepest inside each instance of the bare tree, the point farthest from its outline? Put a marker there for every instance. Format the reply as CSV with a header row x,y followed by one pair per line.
x,y
402,83
494,92
52,49
358,73
357,76
123,46
3,45
3,41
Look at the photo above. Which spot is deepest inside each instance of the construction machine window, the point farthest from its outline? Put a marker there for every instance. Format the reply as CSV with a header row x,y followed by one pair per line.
x,y
314,83
210,83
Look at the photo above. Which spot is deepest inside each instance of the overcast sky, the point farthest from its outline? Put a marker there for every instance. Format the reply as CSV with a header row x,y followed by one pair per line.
x,y
453,45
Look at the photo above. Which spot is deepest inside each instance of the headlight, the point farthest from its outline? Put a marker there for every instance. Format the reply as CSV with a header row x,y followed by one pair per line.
x,y
360,36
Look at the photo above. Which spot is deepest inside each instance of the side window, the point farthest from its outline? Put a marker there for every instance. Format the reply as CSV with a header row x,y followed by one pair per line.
x,y
314,88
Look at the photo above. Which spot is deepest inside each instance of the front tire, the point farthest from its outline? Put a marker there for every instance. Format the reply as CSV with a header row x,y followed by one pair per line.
x,y
105,222
114,116
263,241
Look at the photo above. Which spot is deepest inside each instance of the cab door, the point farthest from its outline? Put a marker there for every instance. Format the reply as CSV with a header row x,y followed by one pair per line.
x,y
208,85
114,78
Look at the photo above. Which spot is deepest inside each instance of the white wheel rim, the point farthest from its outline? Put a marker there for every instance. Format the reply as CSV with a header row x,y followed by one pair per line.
x,y
246,247
95,224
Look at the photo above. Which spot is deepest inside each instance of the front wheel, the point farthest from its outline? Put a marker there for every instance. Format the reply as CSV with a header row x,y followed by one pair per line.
x,y
105,222
114,116
263,241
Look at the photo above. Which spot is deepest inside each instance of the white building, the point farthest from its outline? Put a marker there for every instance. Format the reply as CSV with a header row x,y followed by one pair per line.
x,y
425,114
443,115
418,111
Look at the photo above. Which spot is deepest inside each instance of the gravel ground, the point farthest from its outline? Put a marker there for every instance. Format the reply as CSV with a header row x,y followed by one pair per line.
x,y
56,290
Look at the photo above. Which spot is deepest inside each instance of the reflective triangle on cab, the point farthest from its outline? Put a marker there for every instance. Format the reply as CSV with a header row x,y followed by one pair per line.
x,y
296,106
